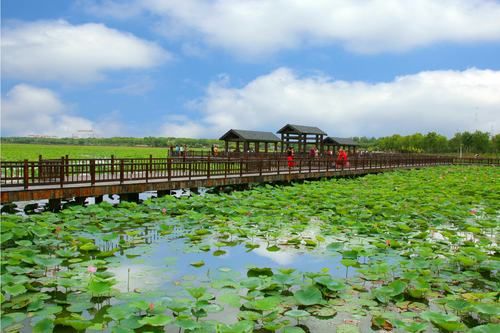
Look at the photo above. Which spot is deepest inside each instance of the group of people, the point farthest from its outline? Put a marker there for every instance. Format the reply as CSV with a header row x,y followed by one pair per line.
x,y
178,150
342,160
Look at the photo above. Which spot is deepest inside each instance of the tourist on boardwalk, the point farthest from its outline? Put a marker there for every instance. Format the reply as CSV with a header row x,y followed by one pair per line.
x,y
342,159
313,153
290,157
215,150
177,150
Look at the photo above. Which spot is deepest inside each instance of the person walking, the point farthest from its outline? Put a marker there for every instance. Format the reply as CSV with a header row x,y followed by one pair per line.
x,y
341,158
290,157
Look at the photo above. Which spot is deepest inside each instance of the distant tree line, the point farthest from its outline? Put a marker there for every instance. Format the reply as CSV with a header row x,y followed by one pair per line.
x,y
476,142
116,141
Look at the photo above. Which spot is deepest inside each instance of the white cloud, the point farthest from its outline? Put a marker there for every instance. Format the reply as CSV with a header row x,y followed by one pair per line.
x,y
442,101
256,28
57,50
29,110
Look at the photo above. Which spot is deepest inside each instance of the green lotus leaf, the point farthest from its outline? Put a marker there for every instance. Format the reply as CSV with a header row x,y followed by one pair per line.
x,y
197,292
267,303
244,326
297,313
156,320
347,328
488,328
197,264
15,290
119,312
256,272
444,321
489,309
293,329
308,296
88,247
44,326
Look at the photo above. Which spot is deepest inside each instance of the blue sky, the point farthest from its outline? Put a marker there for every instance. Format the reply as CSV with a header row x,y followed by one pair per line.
x,y
197,68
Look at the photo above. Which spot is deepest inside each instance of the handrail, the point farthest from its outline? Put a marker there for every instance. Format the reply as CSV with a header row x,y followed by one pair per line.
x,y
66,171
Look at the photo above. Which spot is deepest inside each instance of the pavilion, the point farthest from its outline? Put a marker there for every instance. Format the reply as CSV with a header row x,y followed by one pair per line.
x,y
335,143
247,138
301,136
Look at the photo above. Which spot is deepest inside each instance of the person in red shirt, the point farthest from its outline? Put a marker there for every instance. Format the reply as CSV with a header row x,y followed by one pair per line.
x,y
342,158
290,157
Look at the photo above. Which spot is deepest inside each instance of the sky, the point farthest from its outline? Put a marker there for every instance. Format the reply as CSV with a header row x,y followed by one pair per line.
x,y
197,68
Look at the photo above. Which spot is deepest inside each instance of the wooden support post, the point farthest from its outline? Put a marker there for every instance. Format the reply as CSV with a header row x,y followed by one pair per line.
x,y
208,167
190,169
151,165
241,167
112,166
40,168
61,172
169,168
122,170
98,199
66,166
92,171
26,174
54,205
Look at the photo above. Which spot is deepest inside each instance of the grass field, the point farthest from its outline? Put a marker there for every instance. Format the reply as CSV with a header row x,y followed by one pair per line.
x,y
17,152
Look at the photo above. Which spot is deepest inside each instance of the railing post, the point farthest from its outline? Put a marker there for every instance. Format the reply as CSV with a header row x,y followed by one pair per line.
x,y
150,167
122,170
260,167
190,167
92,171
112,166
310,165
169,168
66,166
32,172
40,168
26,174
61,172
208,167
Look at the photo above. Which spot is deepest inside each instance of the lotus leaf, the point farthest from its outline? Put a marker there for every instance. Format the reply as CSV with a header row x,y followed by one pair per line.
x,y
308,296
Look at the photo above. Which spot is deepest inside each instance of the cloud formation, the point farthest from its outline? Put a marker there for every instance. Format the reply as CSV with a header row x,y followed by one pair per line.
x,y
257,28
29,110
58,50
442,101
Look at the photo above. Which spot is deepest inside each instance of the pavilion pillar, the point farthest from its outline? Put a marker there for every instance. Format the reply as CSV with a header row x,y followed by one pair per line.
x,y
237,146
246,147
266,147
321,147
282,142
257,146
275,147
226,146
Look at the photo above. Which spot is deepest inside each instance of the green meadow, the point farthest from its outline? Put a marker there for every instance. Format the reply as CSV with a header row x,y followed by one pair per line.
x,y
18,152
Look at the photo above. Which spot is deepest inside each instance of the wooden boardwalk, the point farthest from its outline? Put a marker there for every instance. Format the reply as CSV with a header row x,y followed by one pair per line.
x,y
68,178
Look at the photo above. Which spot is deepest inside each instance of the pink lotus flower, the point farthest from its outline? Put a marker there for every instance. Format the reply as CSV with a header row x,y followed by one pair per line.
x,y
388,242
91,269
473,211
151,306
164,211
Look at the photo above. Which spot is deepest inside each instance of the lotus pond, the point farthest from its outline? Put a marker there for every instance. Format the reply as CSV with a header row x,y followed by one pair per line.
x,y
408,251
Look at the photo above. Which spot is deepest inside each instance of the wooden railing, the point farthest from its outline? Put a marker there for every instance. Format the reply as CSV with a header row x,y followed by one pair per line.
x,y
86,172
